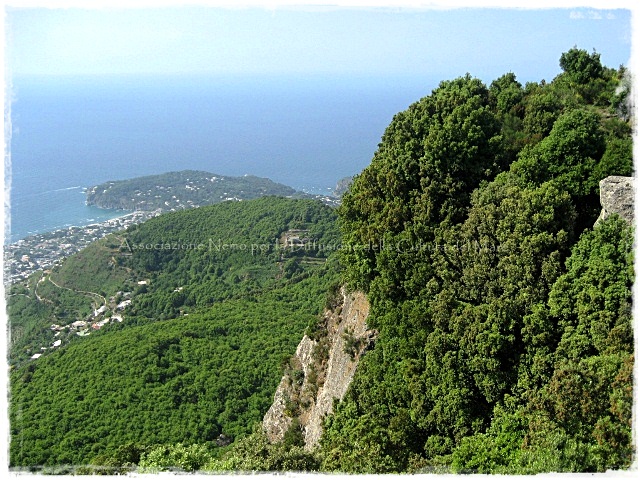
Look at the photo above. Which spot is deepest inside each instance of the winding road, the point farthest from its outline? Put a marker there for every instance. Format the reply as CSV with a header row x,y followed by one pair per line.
x,y
103,300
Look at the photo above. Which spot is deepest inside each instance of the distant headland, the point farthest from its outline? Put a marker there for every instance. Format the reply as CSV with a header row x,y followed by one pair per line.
x,y
142,198
185,189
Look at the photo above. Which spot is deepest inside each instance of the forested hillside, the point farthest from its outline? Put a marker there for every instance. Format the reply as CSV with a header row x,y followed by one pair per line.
x,y
218,301
502,310
505,341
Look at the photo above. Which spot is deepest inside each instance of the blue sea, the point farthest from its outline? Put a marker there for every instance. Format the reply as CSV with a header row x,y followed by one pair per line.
x,y
71,133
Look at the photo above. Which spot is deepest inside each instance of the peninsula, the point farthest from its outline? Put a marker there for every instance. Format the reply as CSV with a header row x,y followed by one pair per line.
x,y
140,198
186,189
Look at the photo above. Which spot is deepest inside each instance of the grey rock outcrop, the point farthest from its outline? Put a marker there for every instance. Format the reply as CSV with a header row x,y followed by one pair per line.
x,y
617,196
342,186
321,371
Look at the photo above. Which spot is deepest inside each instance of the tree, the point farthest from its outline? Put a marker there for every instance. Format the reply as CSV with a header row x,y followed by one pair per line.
x,y
430,159
570,156
576,415
580,66
499,264
506,94
461,259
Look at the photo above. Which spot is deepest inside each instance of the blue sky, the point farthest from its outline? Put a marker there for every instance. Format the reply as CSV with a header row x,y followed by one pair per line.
x,y
485,42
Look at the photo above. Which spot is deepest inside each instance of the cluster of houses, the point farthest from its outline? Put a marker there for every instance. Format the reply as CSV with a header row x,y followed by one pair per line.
x,y
43,250
55,344
83,328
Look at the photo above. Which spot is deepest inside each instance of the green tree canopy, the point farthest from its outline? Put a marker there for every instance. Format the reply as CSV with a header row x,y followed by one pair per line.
x,y
430,159
580,66
493,354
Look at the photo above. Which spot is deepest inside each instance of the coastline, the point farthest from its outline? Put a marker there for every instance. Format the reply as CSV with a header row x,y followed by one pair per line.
x,y
44,250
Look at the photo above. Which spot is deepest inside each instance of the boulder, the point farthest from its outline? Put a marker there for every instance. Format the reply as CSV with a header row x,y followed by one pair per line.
x,y
616,196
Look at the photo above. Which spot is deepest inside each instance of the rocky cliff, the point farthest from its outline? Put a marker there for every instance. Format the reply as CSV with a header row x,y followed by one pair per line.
x,y
616,196
326,359
321,370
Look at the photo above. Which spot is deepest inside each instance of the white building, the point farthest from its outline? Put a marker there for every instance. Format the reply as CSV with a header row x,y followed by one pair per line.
x,y
124,304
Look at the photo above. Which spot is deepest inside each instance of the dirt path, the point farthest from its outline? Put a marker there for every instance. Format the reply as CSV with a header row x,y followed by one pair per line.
x,y
45,277
103,300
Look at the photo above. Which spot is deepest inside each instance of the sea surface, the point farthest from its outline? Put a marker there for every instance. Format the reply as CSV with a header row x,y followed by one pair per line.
x,y
72,133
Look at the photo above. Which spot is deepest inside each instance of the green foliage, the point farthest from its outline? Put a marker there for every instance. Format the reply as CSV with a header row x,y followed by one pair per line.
x,y
542,107
617,158
568,154
207,370
490,452
620,101
123,460
293,437
153,383
577,416
581,67
589,394
506,92
593,299
254,453
235,252
502,337
576,155
430,159
174,457
588,81
511,248
364,434
95,269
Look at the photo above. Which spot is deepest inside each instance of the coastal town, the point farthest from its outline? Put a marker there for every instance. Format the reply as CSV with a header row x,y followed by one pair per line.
x,y
42,251
30,263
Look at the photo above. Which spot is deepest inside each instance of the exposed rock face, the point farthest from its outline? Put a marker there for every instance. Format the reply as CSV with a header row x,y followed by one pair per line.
x,y
616,196
342,186
321,371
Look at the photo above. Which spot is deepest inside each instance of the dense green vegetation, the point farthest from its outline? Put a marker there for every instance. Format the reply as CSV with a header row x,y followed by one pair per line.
x,y
505,342
181,380
505,318
200,349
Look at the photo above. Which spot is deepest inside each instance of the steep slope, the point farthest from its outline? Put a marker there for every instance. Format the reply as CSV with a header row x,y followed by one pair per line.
x,y
496,335
321,371
197,347
478,208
